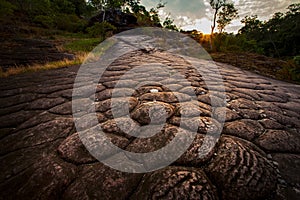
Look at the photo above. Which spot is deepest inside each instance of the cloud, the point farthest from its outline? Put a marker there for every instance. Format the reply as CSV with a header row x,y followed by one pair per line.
x,y
263,9
195,14
191,8
202,24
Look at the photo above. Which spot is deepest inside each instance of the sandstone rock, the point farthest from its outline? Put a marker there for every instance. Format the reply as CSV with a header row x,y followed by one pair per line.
x,y
246,129
153,112
232,170
98,181
280,141
176,183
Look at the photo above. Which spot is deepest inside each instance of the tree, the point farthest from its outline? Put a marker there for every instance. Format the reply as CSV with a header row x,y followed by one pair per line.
x,y
226,15
279,36
294,9
113,4
79,5
227,9
252,26
216,6
169,24
154,13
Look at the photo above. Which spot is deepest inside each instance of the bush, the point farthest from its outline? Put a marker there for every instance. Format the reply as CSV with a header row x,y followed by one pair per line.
x,y
100,29
295,71
296,60
44,21
65,22
290,71
70,23
223,42
36,7
6,8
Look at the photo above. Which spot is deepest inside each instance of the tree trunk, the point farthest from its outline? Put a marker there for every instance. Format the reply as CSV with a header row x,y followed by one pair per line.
x,y
213,28
104,12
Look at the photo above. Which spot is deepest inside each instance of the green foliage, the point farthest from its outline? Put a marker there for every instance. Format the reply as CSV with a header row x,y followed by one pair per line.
x,y
295,73
80,6
6,8
133,5
61,14
69,22
222,17
294,69
38,7
226,15
224,42
144,17
248,45
107,4
251,26
63,6
290,71
100,29
72,15
169,24
217,4
296,60
65,22
83,45
44,21
279,36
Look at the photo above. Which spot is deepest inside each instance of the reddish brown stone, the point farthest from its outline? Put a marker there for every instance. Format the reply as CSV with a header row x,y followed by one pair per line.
x,y
246,129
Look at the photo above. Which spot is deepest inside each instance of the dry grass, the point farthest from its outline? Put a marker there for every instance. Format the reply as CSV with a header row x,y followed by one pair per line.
x,y
80,57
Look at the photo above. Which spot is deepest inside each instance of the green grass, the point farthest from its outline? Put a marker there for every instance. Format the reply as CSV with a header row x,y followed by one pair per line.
x,y
82,44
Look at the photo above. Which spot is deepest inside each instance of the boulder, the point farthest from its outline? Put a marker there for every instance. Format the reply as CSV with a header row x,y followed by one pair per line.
x,y
123,21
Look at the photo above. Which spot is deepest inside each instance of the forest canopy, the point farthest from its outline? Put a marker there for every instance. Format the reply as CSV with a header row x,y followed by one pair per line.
x,y
73,15
276,37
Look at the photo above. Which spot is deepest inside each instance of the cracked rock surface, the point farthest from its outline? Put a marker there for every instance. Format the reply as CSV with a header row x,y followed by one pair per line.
x,y
256,157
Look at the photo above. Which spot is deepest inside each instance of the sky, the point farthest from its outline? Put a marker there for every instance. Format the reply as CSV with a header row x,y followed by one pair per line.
x,y
197,14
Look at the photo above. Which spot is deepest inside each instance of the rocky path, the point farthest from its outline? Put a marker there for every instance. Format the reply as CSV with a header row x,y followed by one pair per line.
x,y
256,157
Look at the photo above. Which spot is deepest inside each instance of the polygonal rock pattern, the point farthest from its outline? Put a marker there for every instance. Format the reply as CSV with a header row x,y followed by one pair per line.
x,y
45,179
176,183
97,181
44,156
280,141
247,129
241,171
155,112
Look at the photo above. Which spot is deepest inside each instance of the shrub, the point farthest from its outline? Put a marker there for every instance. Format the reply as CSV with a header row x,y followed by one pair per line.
x,y
295,71
290,71
100,29
296,60
6,8
44,21
69,22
